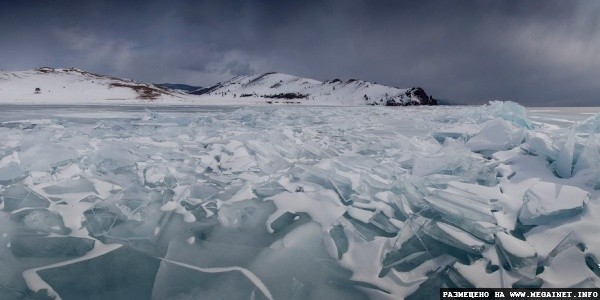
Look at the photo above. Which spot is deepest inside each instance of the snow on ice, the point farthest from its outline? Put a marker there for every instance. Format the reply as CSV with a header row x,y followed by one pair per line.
x,y
295,202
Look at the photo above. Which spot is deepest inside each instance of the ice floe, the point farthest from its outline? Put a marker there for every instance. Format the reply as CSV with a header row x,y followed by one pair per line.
x,y
296,203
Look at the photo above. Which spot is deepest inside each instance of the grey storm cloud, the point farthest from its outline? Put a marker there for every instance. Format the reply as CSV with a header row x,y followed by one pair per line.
x,y
470,51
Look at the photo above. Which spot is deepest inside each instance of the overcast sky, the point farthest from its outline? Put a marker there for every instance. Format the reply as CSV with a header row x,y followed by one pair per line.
x,y
538,52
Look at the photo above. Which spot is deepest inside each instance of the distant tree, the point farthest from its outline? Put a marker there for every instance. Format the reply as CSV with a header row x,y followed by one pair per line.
x,y
38,90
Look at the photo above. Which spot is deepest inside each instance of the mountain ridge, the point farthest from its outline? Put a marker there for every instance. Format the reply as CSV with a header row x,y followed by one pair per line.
x,y
48,85
275,85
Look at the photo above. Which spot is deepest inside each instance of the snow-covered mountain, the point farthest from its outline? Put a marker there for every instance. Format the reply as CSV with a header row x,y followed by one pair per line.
x,y
75,86
278,87
71,85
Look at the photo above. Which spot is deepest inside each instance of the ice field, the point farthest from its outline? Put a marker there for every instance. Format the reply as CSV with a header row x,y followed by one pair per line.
x,y
296,202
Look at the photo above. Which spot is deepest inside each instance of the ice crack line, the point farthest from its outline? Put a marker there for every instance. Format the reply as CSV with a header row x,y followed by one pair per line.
x,y
36,283
251,276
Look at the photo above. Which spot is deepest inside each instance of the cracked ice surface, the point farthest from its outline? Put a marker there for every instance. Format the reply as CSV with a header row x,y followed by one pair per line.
x,y
294,203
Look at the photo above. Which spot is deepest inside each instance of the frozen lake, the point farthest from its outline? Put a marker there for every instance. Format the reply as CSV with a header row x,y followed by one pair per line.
x,y
554,115
295,202
563,116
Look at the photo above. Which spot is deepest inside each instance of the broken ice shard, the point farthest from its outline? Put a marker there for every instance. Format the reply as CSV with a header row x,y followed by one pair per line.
x,y
416,251
412,195
81,185
426,165
45,156
99,221
590,155
329,180
547,202
41,219
563,165
497,135
590,125
155,175
455,237
370,223
268,189
17,197
238,162
11,173
50,247
242,215
340,240
540,144
569,241
509,111
470,213
282,221
203,192
517,254
472,207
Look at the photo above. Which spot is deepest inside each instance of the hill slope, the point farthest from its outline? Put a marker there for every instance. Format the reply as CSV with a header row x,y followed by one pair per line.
x,y
75,86
50,85
278,87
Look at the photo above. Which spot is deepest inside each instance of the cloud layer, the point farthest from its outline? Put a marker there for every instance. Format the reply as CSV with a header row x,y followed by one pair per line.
x,y
471,51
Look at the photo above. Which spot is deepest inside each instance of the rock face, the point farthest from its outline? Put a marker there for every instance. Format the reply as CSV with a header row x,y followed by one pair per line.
x,y
416,95
278,87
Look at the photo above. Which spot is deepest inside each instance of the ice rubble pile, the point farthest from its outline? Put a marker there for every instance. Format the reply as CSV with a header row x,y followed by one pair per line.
x,y
289,204
571,150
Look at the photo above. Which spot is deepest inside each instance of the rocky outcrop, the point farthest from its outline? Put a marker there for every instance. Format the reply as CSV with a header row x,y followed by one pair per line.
x,y
412,96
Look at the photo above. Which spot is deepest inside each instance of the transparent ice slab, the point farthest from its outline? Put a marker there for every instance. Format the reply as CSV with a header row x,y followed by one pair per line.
x,y
545,203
